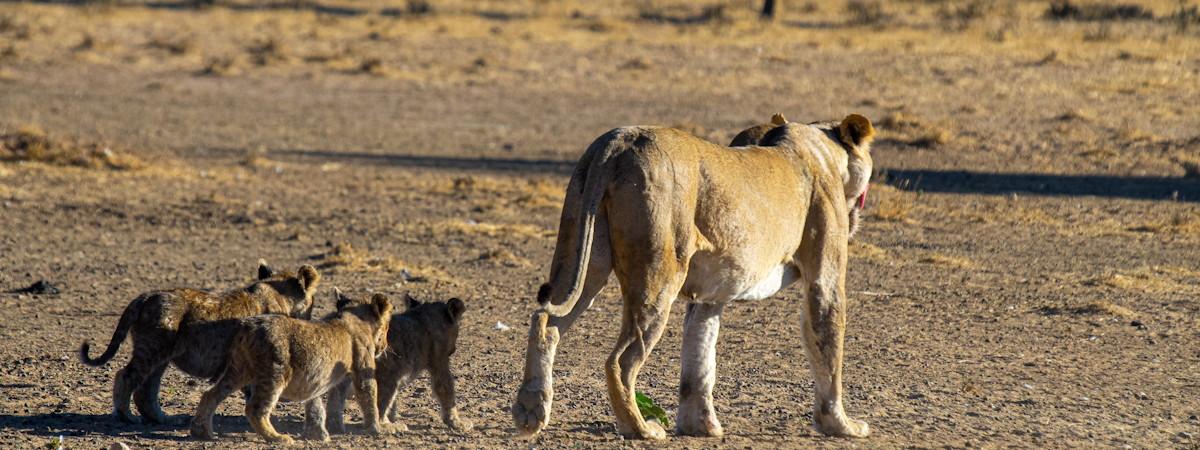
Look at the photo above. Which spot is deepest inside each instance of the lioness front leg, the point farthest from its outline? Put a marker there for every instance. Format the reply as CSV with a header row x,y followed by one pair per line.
x,y
698,372
823,266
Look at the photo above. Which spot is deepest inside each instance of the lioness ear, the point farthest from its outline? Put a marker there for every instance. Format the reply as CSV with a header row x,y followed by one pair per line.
x,y
411,302
778,119
457,308
856,131
340,300
264,271
309,277
383,306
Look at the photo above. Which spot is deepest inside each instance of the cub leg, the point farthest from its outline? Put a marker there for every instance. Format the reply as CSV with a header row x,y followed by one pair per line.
x,y
443,389
145,361
388,379
314,420
334,420
146,397
202,420
367,393
261,404
698,371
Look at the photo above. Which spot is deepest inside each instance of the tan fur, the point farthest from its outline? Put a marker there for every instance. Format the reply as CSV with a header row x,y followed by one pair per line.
x,y
283,358
192,329
677,217
421,340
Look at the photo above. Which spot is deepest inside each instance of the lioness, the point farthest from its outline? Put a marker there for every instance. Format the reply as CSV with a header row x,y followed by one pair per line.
x,y
419,340
283,358
677,217
192,329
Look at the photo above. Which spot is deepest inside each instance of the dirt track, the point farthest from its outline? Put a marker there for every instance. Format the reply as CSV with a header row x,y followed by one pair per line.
x,y
1027,275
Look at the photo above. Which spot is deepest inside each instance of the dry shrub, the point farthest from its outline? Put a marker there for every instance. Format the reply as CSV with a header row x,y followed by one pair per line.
x,y
1067,10
866,12
31,144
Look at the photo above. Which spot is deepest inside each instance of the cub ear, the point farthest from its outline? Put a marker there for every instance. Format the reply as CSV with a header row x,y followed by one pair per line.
x,y
264,271
856,130
383,306
340,299
411,302
457,308
309,277
778,119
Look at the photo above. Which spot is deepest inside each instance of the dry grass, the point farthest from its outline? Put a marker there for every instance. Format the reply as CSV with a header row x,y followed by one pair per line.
x,y
1151,280
860,249
503,257
911,130
939,259
1091,309
1183,223
471,228
343,257
893,205
32,144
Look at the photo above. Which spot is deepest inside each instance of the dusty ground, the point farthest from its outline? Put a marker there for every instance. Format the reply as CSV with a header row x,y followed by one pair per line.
x,y
1028,276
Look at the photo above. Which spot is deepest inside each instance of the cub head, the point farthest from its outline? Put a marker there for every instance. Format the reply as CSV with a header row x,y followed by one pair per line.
x,y
441,321
376,313
297,288
854,134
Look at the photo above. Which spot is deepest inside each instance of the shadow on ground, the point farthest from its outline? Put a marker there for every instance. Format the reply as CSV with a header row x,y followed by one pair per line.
x,y
967,182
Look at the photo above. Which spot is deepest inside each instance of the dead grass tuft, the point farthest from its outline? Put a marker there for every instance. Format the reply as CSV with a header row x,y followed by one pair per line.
x,y
172,45
343,257
502,257
471,228
220,66
1090,309
1191,166
1180,223
269,51
31,144
860,249
939,259
1151,280
913,131
893,205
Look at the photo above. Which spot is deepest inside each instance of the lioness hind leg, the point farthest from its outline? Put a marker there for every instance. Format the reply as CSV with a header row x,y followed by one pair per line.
x,y
640,330
698,371
314,421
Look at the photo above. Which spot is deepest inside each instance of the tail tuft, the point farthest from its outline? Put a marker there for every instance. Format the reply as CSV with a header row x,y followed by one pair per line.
x,y
544,294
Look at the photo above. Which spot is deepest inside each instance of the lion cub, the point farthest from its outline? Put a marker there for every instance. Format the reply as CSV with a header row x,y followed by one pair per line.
x,y
192,329
420,340
283,358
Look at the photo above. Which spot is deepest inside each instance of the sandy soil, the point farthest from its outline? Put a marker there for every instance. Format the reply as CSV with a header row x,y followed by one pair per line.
x,y
1027,276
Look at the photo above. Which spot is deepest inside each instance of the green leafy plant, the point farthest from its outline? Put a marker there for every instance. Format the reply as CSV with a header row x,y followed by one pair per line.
x,y
651,410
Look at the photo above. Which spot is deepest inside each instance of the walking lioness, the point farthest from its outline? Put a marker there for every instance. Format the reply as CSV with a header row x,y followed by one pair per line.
x,y
678,217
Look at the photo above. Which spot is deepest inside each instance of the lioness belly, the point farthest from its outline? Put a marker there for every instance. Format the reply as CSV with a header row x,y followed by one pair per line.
x,y
713,282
